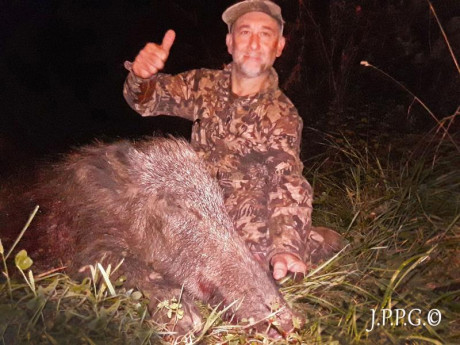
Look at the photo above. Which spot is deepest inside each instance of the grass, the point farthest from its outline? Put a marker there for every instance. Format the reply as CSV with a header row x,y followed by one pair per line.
x,y
400,213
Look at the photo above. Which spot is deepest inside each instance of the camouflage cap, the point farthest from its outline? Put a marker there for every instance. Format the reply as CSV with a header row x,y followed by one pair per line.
x,y
235,11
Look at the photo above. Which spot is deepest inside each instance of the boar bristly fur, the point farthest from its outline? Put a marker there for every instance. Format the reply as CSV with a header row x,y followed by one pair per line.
x,y
152,204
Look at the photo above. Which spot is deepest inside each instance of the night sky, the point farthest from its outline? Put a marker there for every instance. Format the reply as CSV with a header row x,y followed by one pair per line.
x,y
62,67
61,64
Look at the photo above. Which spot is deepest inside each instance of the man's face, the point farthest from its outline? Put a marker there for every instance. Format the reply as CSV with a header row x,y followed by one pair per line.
x,y
255,42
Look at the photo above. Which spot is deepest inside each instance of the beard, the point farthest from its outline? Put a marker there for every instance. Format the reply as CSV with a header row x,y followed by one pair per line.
x,y
251,68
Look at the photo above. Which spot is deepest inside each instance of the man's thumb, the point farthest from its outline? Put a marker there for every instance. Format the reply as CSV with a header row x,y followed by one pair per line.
x,y
168,40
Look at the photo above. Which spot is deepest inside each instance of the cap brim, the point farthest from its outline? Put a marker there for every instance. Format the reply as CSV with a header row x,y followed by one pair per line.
x,y
235,11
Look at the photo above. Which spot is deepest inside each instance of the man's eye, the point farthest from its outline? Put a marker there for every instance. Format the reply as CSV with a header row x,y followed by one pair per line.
x,y
265,34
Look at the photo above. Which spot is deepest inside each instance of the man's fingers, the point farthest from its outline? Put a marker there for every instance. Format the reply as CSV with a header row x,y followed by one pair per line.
x,y
168,40
298,267
147,72
151,60
279,270
284,263
148,63
154,51
144,71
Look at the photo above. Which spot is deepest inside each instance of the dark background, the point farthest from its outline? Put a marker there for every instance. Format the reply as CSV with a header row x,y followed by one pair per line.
x,y
61,66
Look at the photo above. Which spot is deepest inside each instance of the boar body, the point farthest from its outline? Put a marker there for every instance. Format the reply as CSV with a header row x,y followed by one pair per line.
x,y
152,204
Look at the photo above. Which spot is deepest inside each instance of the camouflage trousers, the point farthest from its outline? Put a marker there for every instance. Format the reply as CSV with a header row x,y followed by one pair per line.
x,y
269,230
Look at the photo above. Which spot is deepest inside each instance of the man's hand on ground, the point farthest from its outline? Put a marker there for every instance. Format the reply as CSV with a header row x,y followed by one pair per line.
x,y
284,263
152,57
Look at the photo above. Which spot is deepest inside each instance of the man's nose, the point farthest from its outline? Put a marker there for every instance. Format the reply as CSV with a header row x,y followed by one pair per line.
x,y
254,43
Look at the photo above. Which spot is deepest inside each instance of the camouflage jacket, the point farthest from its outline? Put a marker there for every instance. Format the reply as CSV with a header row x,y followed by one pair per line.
x,y
251,145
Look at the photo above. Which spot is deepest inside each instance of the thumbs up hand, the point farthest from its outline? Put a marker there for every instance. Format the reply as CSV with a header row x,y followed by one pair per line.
x,y
151,59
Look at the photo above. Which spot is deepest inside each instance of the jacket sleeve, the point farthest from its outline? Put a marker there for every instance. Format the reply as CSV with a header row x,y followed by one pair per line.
x,y
162,94
290,196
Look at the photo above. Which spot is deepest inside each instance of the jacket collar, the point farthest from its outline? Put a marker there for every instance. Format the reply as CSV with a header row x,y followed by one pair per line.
x,y
225,85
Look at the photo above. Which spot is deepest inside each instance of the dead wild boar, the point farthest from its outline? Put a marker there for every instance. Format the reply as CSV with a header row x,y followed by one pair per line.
x,y
152,204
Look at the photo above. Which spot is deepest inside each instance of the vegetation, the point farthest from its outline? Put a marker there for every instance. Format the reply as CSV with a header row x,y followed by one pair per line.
x,y
400,213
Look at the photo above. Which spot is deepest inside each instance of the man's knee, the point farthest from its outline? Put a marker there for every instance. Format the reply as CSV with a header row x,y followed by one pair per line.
x,y
322,244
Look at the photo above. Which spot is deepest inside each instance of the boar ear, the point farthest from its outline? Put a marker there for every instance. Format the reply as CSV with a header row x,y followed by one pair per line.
x,y
168,204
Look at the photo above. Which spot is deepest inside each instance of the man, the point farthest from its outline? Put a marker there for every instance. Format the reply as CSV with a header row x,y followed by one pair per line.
x,y
247,131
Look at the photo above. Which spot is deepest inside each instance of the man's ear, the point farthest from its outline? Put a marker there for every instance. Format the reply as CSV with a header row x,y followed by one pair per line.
x,y
281,44
229,42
